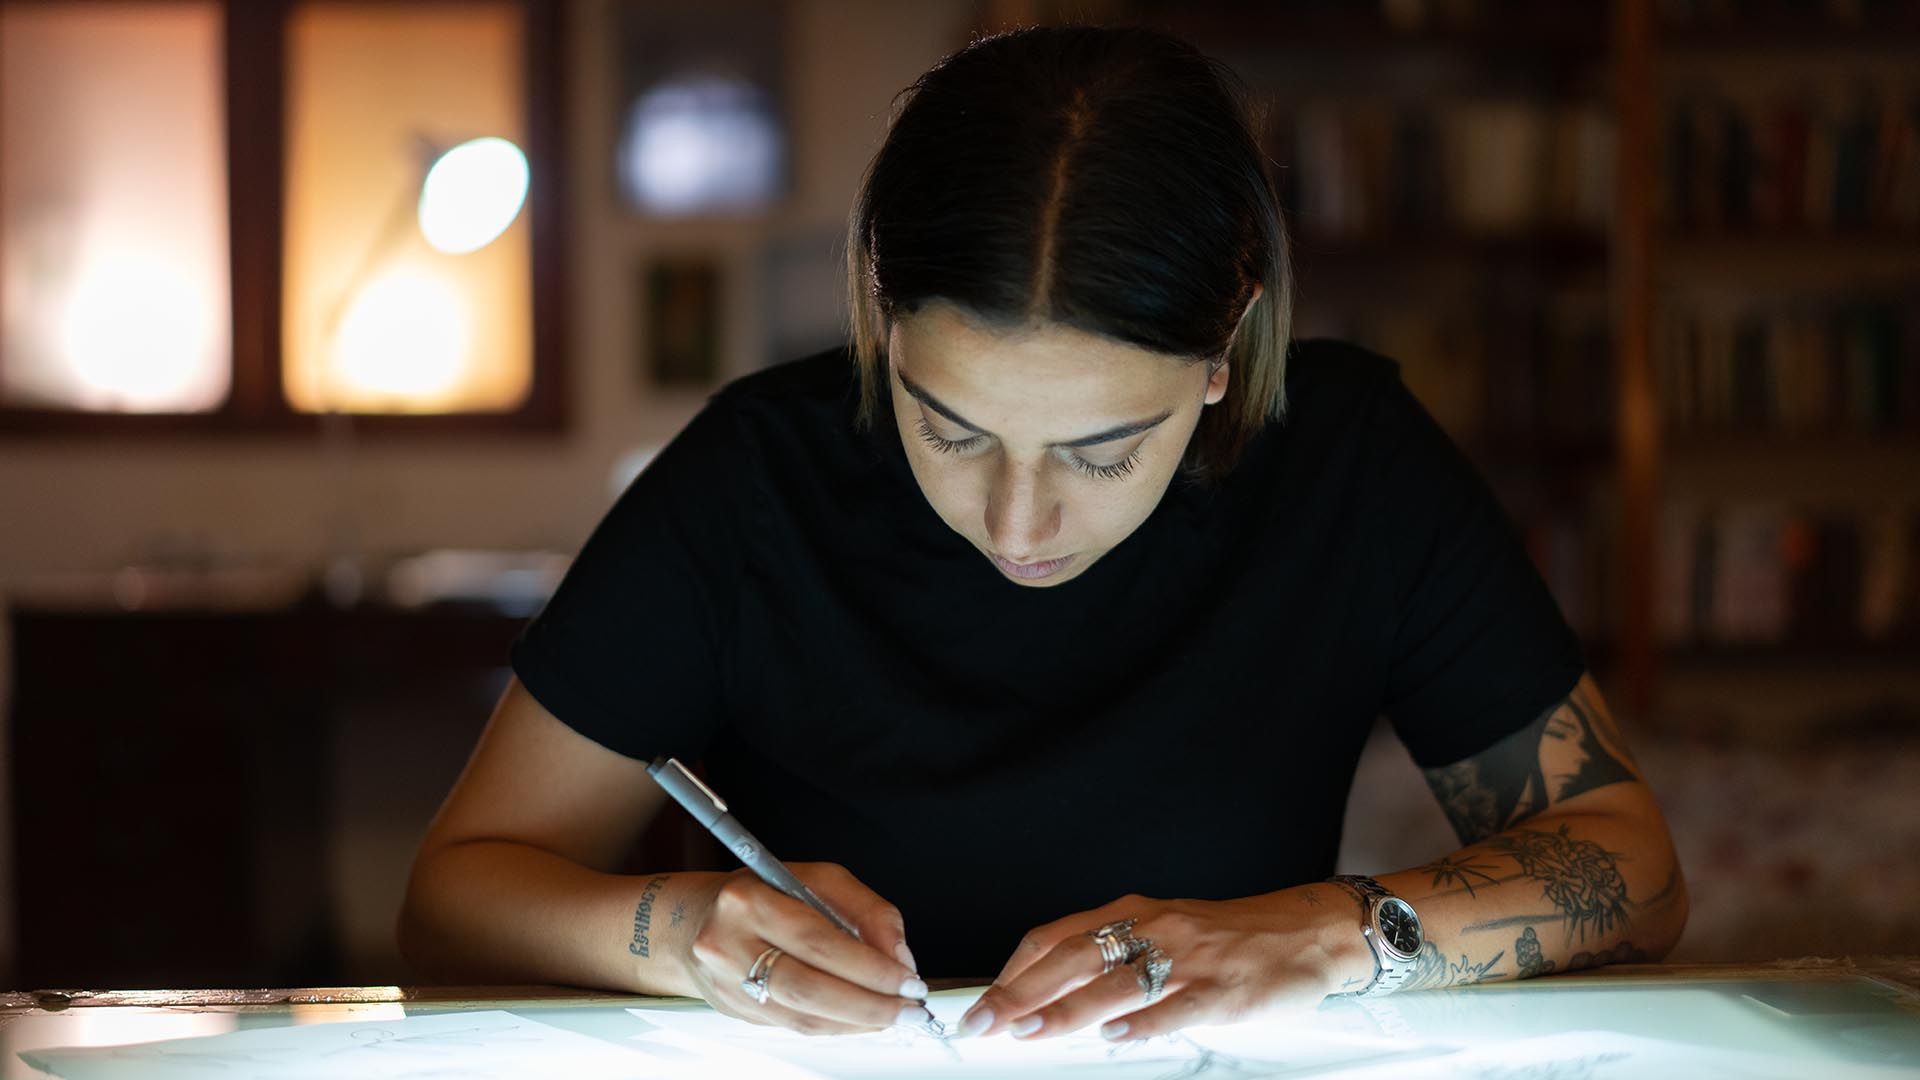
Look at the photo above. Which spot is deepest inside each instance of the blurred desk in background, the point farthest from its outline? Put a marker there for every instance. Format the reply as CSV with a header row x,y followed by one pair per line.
x,y
174,774
1785,1019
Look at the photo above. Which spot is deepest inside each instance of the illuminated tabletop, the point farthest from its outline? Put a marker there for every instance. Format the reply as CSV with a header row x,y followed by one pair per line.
x,y
1803,1018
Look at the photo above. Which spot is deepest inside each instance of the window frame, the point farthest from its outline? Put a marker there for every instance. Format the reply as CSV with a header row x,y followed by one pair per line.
x,y
254,51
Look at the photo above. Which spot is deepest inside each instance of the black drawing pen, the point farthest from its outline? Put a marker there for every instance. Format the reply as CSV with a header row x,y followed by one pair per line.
x,y
710,810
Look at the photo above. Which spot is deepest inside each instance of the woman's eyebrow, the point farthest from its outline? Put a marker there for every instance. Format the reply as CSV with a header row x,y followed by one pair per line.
x,y
920,394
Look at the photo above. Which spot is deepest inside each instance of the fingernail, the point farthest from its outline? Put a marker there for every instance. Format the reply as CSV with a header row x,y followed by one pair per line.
x,y
913,987
905,956
1026,1025
976,1022
1113,1029
912,1016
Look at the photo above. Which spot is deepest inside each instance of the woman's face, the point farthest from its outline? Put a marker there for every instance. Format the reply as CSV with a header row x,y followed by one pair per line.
x,y
1044,448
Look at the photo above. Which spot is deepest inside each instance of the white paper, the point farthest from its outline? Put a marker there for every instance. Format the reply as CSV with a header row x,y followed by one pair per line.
x,y
1302,1048
1316,1045
1610,1055
482,1045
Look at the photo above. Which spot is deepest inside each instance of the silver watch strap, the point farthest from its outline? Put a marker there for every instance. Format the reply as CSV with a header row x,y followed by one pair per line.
x,y
1363,885
1385,979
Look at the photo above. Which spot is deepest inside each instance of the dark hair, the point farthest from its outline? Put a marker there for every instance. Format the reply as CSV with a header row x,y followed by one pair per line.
x,y
1104,178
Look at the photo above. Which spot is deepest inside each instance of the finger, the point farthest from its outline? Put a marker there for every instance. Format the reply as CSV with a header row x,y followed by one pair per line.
x,y
806,934
1106,995
805,989
880,923
1066,967
773,1014
1043,938
1207,1003
1176,1010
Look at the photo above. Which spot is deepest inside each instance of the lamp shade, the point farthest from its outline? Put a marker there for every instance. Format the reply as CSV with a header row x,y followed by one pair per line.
x,y
472,193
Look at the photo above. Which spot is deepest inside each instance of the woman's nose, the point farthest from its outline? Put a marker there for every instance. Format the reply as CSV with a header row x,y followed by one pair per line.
x,y
1023,517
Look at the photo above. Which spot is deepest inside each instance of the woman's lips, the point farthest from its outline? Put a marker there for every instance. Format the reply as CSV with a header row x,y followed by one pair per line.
x,y
1031,571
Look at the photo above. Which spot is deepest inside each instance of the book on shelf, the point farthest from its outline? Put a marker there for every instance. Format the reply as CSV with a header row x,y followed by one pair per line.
x,y
1810,365
1568,550
1804,15
1835,158
1472,166
1770,574
1530,382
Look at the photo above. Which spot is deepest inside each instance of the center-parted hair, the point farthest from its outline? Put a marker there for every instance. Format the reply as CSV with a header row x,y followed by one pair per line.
x,y
1103,178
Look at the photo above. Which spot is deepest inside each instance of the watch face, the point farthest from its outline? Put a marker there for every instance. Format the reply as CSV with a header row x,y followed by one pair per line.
x,y
1399,926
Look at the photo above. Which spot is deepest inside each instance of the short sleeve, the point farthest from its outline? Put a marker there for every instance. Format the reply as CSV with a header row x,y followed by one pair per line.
x,y
1479,647
630,649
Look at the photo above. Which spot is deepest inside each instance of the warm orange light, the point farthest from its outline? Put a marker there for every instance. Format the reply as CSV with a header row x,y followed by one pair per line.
x,y
404,341
114,280
375,318
138,334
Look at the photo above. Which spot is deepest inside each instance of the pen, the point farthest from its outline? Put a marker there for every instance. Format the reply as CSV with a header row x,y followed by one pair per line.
x,y
711,812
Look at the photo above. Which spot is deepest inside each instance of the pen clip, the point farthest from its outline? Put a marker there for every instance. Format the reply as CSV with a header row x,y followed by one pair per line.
x,y
719,803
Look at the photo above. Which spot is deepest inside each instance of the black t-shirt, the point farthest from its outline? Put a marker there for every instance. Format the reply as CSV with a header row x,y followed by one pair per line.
x,y
774,596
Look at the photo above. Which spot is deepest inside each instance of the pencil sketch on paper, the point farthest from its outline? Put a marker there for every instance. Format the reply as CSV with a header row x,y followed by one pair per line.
x,y
1278,1050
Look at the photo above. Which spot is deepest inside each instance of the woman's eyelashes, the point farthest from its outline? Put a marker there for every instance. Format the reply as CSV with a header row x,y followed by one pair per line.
x,y
946,446
1105,472
1115,471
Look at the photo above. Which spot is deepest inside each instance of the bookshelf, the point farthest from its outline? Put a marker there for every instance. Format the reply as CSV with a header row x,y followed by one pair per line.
x,y
1786,350
1656,265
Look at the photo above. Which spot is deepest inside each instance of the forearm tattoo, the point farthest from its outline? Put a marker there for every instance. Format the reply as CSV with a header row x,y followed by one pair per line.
x,y
1526,952
1571,748
642,945
1582,879
1433,971
1461,870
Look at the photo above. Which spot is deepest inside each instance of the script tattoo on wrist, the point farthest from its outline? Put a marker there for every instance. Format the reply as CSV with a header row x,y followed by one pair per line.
x,y
641,946
1571,748
679,913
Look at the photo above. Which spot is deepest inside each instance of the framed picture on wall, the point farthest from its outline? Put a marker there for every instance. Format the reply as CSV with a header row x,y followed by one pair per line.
x,y
701,114
681,296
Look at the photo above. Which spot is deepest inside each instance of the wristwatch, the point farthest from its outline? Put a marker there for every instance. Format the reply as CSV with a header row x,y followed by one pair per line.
x,y
1392,931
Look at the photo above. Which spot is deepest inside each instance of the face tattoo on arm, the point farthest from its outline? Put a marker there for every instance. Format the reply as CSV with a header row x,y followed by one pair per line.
x,y
1571,749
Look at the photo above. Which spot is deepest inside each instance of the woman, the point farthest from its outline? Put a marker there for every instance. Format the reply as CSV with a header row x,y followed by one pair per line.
x,y
1072,583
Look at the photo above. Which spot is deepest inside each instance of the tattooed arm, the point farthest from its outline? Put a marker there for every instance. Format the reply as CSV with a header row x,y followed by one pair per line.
x,y
1567,863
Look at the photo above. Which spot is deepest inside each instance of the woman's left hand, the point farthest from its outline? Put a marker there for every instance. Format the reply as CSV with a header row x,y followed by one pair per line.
x,y
1232,960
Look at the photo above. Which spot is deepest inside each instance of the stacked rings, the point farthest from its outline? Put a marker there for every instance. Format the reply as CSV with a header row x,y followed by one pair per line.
x,y
1116,943
1118,946
755,984
1153,966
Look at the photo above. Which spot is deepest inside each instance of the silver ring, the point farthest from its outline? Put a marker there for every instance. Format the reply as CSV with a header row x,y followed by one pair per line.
x,y
755,984
1152,966
1117,943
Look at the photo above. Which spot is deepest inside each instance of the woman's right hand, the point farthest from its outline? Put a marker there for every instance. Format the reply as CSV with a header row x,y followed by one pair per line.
x,y
824,981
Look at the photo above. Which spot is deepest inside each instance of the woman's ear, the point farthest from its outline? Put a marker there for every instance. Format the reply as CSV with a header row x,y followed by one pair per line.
x,y
1217,375
1217,378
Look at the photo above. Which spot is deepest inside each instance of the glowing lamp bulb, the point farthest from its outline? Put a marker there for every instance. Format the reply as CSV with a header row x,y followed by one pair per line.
x,y
404,336
472,193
